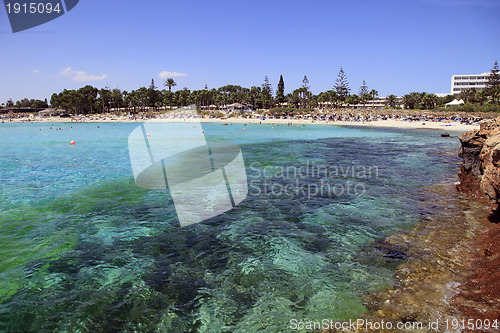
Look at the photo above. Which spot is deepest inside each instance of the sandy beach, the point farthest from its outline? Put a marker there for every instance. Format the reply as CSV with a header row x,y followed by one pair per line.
x,y
390,123
446,125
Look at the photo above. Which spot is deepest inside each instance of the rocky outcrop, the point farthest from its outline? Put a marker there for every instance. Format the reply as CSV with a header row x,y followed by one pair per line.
x,y
480,174
479,294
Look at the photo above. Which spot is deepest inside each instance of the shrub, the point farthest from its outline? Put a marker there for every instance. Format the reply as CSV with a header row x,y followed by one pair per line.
x,y
470,108
294,111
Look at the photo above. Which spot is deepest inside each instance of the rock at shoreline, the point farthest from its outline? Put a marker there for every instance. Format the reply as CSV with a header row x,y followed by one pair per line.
x,y
480,174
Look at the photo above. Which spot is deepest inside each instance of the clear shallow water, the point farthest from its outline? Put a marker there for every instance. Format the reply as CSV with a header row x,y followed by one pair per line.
x,y
82,248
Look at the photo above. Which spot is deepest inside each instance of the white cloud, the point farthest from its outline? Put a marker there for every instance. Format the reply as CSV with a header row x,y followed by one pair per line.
x,y
81,76
165,74
36,71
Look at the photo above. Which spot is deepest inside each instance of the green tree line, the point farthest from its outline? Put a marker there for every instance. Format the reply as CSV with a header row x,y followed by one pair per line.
x,y
88,99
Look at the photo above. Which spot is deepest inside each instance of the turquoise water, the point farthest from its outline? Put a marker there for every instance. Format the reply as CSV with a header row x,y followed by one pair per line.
x,y
83,249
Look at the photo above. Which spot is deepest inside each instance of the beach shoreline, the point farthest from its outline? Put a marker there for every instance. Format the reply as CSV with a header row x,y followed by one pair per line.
x,y
447,125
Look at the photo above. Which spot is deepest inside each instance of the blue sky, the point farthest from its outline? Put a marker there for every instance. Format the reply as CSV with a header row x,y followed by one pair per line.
x,y
397,46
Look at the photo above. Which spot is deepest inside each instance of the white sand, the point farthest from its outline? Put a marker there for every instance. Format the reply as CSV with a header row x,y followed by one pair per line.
x,y
391,123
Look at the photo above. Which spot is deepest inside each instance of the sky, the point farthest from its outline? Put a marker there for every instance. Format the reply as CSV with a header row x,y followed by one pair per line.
x,y
396,46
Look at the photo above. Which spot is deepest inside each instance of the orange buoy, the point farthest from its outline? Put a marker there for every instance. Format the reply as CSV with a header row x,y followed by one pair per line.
x,y
297,125
244,129
149,135
203,132
73,143
272,127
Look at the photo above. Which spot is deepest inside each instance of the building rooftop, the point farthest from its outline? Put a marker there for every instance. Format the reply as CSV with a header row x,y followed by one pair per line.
x,y
485,73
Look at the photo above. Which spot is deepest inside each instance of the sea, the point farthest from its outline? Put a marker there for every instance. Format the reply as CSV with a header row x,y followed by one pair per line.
x,y
83,248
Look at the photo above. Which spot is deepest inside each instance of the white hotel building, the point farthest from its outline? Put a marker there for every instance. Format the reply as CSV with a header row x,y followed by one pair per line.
x,y
461,83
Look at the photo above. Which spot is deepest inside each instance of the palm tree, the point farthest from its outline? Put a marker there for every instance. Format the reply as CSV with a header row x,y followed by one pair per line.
x,y
364,98
142,97
374,94
116,98
254,97
434,100
429,100
391,101
170,83
407,101
468,96
322,98
333,97
482,96
294,98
